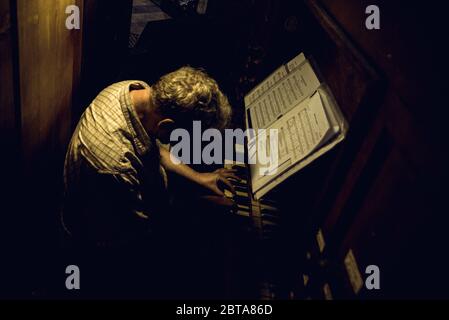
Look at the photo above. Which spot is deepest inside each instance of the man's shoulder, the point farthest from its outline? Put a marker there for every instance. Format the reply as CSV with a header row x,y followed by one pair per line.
x,y
114,99
124,84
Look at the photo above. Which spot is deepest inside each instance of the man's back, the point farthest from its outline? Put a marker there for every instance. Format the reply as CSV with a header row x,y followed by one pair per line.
x,y
111,166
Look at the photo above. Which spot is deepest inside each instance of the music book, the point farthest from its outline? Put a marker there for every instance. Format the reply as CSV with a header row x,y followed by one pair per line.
x,y
305,116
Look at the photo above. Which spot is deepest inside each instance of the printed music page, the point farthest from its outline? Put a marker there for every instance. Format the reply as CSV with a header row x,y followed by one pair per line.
x,y
283,96
296,62
306,117
300,132
265,85
275,77
303,130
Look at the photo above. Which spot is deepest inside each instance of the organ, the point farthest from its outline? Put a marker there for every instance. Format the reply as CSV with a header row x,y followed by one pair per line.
x,y
377,198
287,220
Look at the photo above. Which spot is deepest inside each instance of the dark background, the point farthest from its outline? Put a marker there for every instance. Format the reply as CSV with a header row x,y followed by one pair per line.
x,y
382,193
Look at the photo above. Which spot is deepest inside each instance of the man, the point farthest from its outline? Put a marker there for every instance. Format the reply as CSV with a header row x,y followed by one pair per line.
x,y
115,169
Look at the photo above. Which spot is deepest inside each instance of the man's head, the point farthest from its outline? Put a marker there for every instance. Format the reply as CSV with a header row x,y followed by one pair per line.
x,y
188,95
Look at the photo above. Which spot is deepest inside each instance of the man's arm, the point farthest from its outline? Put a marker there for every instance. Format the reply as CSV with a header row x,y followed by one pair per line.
x,y
207,180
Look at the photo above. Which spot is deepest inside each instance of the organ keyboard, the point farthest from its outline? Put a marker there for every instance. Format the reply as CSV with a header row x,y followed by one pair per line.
x,y
263,218
263,213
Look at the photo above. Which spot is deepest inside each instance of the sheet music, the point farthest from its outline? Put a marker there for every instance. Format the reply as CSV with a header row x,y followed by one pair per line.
x,y
296,62
283,96
265,85
306,116
336,134
300,132
304,129
276,76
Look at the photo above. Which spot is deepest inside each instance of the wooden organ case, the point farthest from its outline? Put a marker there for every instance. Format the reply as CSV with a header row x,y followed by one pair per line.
x,y
288,260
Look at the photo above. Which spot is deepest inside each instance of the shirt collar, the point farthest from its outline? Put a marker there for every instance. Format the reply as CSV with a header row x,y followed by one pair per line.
x,y
141,139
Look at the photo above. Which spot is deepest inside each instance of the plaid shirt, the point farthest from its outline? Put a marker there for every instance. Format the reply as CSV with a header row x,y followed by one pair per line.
x,y
112,174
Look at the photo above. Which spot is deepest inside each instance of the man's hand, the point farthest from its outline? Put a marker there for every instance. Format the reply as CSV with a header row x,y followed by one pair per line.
x,y
218,181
